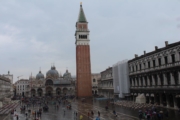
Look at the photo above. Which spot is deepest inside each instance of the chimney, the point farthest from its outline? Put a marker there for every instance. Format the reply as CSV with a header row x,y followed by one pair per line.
x,y
166,43
156,48
136,55
144,52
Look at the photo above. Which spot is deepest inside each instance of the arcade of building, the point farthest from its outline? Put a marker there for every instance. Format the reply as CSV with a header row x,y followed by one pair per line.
x,y
157,75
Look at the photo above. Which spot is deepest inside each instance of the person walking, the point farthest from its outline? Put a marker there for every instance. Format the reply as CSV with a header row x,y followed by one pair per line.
x,y
64,111
40,113
140,115
97,118
92,113
76,114
81,117
35,114
26,114
98,113
17,117
114,112
88,114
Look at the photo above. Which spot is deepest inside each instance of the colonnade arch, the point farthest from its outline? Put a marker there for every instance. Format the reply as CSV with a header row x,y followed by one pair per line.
x,y
40,92
65,90
33,92
49,91
58,91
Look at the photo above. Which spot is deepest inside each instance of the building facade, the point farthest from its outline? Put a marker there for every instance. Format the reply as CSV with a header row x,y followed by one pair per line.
x,y
83,63
10,77
105,84
5,89
94,79
157,75
22,87
53,84
121,80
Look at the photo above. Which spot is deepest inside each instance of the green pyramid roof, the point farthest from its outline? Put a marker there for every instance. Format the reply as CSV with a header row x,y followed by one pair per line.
x,y
82,17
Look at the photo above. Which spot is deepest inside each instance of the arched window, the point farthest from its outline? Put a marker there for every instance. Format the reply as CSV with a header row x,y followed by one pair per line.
x,y
94,80
49,82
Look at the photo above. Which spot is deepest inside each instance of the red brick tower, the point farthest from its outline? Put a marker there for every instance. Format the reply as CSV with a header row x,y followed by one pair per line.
x,y
83,63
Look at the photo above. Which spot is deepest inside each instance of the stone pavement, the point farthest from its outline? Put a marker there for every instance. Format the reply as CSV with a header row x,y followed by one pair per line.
x,y
80,108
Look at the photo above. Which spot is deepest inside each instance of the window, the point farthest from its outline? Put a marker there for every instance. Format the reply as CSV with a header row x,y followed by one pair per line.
x,y
82,36
166,60
159,61
133,68
144,65
140,66
154,63
173,58
149,64
136,68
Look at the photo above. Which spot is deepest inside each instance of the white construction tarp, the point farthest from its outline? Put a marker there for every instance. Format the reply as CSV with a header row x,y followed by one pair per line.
x,y
121,78
141,99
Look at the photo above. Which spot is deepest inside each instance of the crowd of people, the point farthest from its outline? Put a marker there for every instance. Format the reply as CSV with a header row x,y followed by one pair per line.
x,y
153,114
33,107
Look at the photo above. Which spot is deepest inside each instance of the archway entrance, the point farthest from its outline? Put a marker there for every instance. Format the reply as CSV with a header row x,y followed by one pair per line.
x,y
58,91
40,91
65,90
49,91
171,100
157,99
164,99
33,92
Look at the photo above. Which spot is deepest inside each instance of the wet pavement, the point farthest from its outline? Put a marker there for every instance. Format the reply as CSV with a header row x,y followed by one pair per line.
x,y
84,108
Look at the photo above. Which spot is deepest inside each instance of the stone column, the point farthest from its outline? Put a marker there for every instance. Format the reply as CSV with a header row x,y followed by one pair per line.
x,y
175,102
165,78
153,81
139,78
148,81
144,82
158,80
178,77
172,79
135,82
132,81
167,100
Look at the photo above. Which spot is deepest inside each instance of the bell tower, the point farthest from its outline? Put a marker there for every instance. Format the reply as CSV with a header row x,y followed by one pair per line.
x,y
83,63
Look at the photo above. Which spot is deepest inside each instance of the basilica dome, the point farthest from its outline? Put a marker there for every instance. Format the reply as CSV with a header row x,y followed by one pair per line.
x,y
52,73
67,75
39,76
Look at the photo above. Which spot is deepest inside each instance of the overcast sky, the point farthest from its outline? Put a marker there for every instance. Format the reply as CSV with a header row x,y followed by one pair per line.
x,y
36,33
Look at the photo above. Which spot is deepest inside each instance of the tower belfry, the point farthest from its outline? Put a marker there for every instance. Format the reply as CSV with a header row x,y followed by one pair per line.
x,y
83,63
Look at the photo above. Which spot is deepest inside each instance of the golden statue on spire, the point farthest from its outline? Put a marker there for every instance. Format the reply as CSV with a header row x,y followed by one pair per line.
x,y
80,3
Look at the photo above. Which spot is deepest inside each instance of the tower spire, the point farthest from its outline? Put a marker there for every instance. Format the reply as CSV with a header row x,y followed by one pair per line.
x,y
82,17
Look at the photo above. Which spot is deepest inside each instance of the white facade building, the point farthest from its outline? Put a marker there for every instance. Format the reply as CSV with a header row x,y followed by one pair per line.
x,y
121,79
22,86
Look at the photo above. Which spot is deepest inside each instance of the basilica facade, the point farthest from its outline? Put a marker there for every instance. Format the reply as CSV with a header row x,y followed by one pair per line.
x,y
54,84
